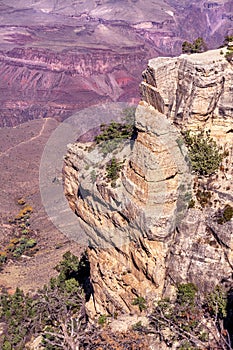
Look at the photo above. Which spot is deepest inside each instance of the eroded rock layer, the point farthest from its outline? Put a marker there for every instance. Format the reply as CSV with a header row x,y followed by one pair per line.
x,y
152,238
193,91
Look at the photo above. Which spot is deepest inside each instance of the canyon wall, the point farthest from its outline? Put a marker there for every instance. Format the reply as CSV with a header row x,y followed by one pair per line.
x,y
152,238
38,83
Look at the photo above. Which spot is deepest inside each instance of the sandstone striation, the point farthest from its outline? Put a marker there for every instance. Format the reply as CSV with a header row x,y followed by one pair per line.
x,y
193,91
144,238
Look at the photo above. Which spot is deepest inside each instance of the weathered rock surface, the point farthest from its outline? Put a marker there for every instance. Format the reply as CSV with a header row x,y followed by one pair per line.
x,y
193,91
162,242
138,217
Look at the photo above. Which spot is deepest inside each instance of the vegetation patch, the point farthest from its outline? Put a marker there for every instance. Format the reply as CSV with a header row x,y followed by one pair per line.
x,y
24,240
192,322
54,312
102,320
225,215
204,153
140,302
197,46
203,197
229,43
229,55
186,294
112,135
191,203
114,131
113,169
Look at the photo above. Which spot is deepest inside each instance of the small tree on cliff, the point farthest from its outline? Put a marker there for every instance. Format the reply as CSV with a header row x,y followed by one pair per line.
x,y
228,39
204,153
197,46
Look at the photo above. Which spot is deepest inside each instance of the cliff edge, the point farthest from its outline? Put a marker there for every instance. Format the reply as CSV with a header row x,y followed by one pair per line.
x,y
151,228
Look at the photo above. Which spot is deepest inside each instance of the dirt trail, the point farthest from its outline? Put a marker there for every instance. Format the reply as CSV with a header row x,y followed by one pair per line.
x,y
19,168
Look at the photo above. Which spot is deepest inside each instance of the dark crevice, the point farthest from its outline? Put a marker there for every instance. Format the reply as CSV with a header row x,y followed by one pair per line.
x,y
79,194
124,217
228,321
169,177
131,167
215,235
144,248
83,277
134,262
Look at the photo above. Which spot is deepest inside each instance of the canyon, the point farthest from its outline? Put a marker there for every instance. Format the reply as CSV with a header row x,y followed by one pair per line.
x,y
58,58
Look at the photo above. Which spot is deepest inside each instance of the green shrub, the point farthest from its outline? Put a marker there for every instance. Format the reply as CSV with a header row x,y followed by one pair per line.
x,y
187,320
93,176
102,320
186,294
229,56
197,46
56,304
30,243
204,153
227,39
24,231
114,131
68,267
111,135
6,345
217,302
21,245
186,346
226,215
137,326
203,197
191,204
113,169
140,302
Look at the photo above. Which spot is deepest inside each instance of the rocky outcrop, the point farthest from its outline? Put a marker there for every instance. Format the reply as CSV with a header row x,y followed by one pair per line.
x,y
144,238
193,91
129,225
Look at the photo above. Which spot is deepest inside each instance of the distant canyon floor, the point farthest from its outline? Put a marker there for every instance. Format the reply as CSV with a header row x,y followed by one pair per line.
x,y
21,148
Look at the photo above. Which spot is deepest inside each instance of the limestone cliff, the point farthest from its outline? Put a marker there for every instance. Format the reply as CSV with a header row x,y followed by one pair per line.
x,y
193,91
144,238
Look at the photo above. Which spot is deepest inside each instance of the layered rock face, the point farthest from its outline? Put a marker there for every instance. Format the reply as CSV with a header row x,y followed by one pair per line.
x,y
193,91
38,83
129,225
152,241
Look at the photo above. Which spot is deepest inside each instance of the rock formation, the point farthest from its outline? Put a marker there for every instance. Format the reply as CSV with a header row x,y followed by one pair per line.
x,y
193,91
144,237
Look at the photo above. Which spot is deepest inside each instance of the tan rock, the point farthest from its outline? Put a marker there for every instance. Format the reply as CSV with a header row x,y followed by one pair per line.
x,y
145,241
